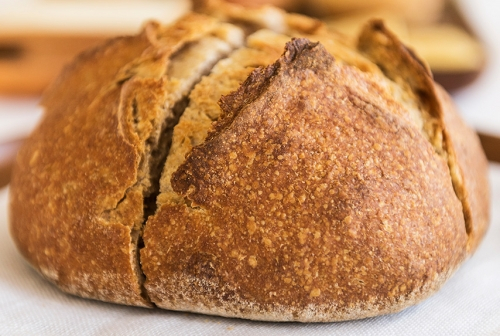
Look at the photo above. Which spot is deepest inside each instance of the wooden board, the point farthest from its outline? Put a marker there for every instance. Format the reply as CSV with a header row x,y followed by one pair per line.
x,y
29,62
38,39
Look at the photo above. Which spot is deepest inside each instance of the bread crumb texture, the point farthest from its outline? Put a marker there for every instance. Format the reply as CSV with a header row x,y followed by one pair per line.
x,y
252,164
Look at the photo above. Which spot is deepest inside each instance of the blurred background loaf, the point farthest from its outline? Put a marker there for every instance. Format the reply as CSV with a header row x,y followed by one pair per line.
x,y
38,37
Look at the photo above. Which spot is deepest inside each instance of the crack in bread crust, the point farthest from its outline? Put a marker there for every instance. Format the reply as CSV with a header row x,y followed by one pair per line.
x,y
444,128
90,159
302,178
174,65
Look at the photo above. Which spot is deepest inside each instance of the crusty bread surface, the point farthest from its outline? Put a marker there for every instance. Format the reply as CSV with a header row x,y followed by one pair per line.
x,y
254,166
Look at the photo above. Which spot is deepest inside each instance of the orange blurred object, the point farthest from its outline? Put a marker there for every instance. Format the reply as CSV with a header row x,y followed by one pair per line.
x,y
39,38
28,62
289,5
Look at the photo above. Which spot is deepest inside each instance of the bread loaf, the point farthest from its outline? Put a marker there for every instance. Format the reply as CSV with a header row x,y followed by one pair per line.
x,y
252,164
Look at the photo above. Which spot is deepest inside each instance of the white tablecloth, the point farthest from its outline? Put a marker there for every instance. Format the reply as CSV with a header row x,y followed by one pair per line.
x,y
469,303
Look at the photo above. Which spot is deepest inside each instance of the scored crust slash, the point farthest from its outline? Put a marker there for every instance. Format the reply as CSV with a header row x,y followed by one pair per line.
x,y
250,163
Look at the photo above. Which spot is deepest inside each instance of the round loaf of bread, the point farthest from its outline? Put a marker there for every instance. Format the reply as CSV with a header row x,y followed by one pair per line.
x,y
249,163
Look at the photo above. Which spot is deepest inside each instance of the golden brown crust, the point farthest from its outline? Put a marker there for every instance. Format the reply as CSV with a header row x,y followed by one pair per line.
x,y
81,179
323,191
62,182
448,133
294,205
203,109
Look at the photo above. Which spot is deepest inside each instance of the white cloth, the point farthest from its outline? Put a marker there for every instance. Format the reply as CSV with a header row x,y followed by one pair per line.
x,y
468,304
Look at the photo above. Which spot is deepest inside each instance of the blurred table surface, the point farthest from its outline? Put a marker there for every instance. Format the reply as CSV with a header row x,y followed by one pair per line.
x,y
478,103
